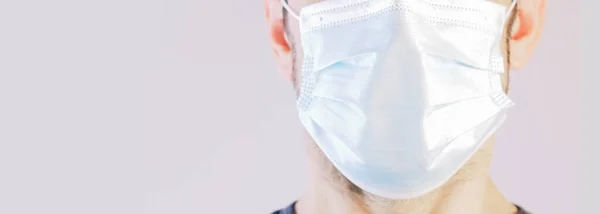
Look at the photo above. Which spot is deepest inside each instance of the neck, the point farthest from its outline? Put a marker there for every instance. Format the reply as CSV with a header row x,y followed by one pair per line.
x,y
470,191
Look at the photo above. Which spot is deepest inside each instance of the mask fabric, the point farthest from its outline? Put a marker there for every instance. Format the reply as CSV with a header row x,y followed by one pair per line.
x,y
399,94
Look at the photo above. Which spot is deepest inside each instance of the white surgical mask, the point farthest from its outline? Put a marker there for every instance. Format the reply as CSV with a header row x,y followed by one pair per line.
x,y
399,94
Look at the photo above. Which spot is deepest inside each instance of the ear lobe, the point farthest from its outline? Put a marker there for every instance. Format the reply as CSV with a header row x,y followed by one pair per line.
x,y
279,44
526,31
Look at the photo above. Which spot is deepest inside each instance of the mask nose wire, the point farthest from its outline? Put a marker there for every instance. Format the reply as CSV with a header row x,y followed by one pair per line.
x,y
292,12
297,17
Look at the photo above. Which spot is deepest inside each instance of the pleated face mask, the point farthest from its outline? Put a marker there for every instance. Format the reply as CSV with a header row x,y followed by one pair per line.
x,y
399,94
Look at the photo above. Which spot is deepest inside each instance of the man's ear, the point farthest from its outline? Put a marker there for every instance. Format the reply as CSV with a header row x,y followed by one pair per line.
x,y
526,31
279,44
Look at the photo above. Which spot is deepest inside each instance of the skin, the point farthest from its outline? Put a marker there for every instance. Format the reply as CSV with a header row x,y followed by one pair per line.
x,y
469,191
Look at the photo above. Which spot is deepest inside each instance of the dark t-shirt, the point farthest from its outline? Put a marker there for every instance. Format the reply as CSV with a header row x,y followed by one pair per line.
x,y
290,210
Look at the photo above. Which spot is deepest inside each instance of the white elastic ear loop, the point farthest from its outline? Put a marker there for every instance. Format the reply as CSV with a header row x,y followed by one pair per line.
x,y
511,8
292,12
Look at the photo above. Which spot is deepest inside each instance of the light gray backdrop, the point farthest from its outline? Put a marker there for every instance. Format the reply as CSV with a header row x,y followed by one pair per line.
x,y
176,107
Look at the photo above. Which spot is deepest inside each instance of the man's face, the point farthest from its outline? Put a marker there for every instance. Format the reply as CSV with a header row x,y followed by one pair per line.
x,y
520,36
292,33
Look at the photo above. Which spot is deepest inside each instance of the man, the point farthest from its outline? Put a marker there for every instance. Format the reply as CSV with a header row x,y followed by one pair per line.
x,y
383,86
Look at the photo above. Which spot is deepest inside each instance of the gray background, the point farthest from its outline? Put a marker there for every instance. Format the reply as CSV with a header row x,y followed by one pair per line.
x,y
589,46
176,107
